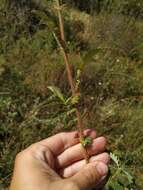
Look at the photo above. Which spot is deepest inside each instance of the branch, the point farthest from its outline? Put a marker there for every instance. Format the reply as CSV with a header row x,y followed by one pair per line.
x,y
70,77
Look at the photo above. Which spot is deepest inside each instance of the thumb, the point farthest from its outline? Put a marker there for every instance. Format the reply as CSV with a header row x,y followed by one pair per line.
x,y
90,175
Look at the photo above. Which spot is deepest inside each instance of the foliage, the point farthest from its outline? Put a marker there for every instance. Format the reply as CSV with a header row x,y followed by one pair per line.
x,y
86,141
120,178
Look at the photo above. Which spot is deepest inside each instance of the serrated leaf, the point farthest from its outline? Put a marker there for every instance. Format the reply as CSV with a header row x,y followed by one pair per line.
x,y
115,159
75,99
86,141
57,92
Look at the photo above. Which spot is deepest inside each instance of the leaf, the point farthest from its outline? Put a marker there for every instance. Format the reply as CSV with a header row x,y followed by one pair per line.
x,y
57,92
115,159
86,141
75,99
115,185
130,178
71,111
78,73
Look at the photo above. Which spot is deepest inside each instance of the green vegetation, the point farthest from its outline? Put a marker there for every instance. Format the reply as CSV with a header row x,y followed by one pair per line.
x,y
105,42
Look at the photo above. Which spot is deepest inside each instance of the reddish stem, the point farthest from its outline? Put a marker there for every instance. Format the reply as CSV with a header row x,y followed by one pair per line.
x,y
71,80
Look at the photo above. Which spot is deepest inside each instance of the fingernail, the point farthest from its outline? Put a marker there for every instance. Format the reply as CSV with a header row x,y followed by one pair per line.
x,y
102,168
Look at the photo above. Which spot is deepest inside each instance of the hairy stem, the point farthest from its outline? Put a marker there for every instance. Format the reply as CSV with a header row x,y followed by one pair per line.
x,y
70,78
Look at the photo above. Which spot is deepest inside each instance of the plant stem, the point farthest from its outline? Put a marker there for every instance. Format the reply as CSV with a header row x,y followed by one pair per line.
x,y
70,78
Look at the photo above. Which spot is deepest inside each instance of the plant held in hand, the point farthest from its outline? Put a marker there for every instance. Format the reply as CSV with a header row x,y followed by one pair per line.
x,y
85,141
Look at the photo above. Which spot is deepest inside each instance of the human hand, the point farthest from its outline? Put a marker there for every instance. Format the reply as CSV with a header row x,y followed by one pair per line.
x,y
57,163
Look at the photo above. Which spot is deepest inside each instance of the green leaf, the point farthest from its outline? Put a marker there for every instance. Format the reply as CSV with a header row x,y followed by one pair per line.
x,y
57,92
115,185
130,178
68,100
75,99
115,159
71,111
86,141
78,73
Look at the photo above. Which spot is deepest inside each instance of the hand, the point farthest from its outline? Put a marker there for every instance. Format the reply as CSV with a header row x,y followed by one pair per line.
x,y
57,163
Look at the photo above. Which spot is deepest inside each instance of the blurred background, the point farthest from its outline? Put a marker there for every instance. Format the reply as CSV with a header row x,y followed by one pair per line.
x,y
105,42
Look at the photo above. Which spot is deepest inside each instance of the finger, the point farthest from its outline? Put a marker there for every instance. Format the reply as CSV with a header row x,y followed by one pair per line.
x,y
75,153
101,183
60,142
90,175
76,167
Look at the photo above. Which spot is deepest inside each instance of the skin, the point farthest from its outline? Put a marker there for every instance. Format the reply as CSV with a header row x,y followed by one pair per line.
x,y
57,163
